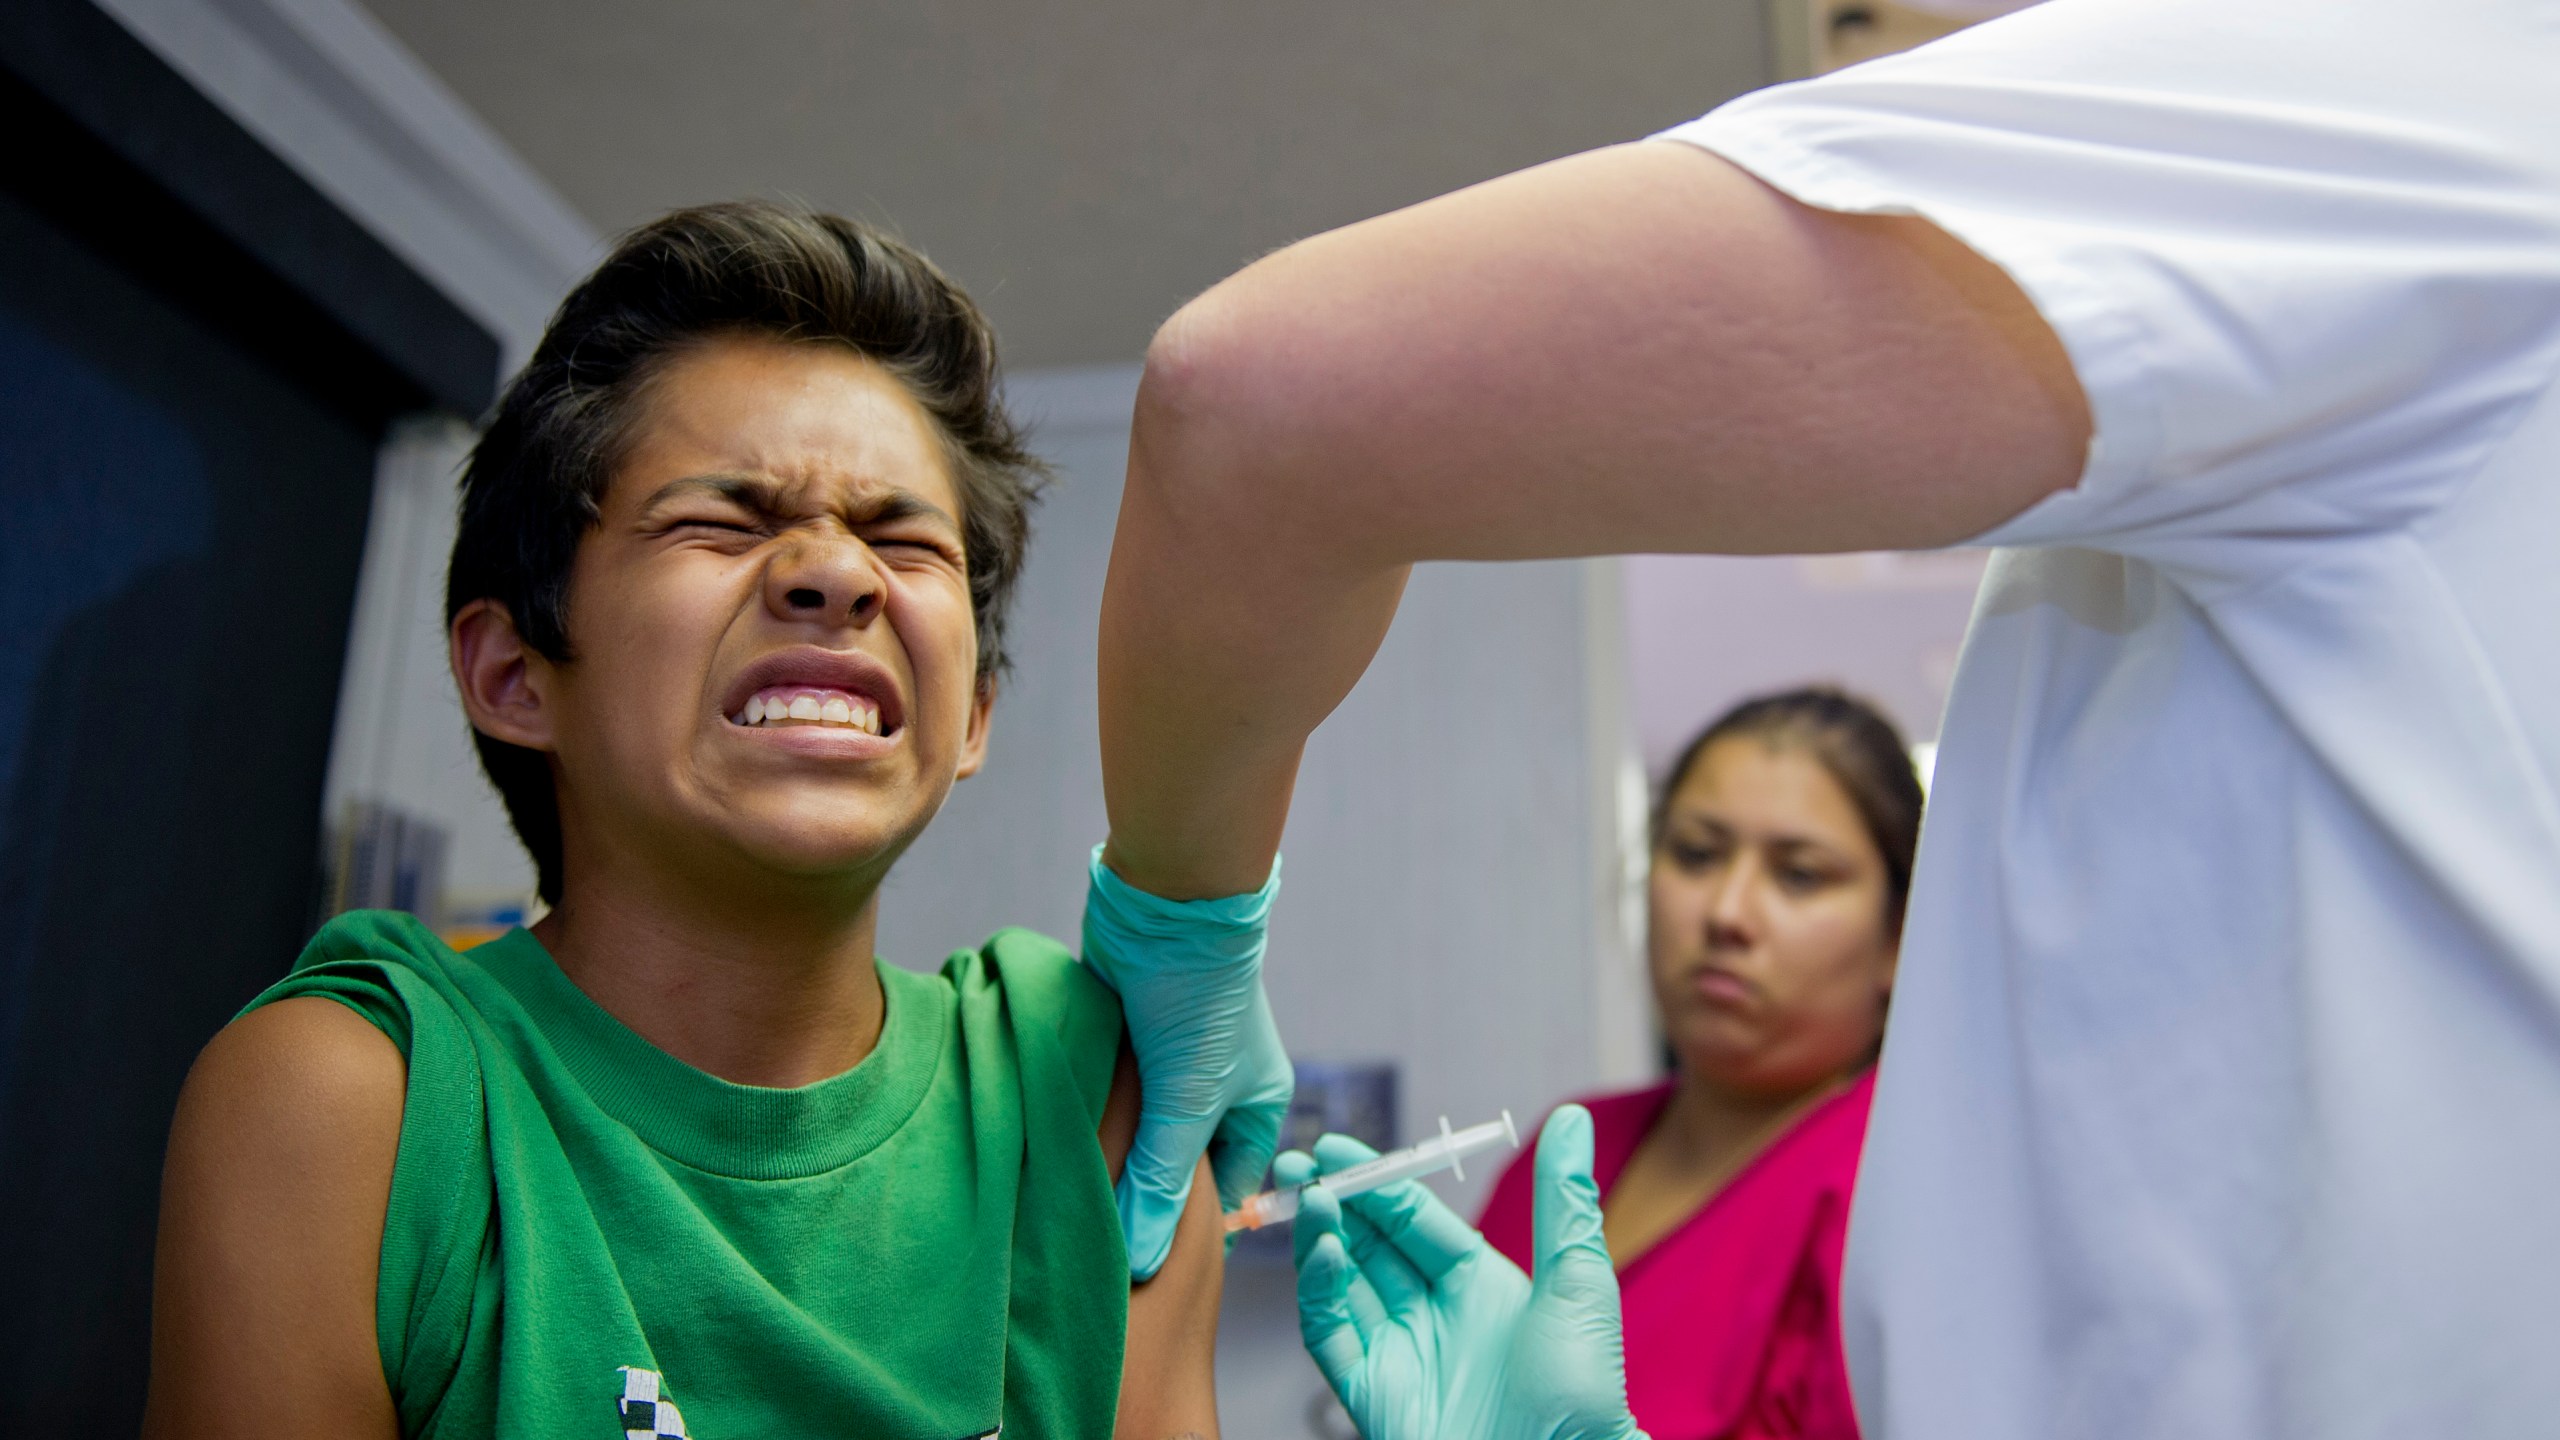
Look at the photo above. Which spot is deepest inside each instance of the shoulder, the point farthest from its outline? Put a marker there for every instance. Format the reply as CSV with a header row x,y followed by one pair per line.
x,y
1046,989
1064,1021
304,1082
1041,975
379,935
272,1207
1837,1128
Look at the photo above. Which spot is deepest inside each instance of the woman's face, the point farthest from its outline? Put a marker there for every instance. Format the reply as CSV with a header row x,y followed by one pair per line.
x,y
1768,944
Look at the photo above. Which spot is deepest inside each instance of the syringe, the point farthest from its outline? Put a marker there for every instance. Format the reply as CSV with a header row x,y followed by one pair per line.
x,y
1271,1207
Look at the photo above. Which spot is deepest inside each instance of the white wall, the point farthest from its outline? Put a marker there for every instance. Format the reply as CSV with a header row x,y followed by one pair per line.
x,y
1704,631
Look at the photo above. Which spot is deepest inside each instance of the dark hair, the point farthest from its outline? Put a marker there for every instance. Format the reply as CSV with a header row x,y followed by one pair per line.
x,y
1856,745
533,485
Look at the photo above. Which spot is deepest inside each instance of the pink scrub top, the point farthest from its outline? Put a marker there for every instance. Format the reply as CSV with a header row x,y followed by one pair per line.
x,y
1733,1319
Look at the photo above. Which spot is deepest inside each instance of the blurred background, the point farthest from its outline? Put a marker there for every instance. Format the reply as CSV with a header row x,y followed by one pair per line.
x,y
263,261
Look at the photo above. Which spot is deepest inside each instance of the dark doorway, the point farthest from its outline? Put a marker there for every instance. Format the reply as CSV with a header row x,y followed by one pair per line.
x,y
187,442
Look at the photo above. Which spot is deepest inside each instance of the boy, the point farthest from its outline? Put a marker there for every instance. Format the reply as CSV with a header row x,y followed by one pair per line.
x,y
726,610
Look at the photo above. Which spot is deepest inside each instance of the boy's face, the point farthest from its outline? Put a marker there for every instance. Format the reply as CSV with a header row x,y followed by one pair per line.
x,y
773,653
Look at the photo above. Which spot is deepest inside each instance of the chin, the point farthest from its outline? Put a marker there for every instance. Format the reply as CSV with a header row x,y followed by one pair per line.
x,y
1736,1062
822,832
800,847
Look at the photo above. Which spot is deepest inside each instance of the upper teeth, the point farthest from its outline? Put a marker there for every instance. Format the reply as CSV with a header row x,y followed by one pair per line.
x,y
823,707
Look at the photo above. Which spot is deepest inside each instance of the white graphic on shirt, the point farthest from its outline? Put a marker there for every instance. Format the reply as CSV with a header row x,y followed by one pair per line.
x,y
647,1413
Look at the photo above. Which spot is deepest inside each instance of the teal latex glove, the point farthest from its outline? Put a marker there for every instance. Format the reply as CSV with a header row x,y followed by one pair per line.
x,y
1210,1064
1425,1331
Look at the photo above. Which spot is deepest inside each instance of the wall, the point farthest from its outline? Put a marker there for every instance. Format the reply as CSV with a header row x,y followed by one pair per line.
x,y
1704,631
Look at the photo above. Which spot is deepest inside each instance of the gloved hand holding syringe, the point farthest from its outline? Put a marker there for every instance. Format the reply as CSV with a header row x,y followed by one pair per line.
x,y
1447,1151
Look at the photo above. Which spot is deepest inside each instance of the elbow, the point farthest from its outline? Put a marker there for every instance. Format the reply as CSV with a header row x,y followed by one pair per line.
x,y
1211,404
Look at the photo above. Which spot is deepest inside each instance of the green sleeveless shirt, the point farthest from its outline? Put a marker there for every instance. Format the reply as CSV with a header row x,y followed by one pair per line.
x,y
588,1237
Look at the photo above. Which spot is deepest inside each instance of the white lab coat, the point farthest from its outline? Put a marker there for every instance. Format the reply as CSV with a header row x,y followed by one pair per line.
x,y
2222,1094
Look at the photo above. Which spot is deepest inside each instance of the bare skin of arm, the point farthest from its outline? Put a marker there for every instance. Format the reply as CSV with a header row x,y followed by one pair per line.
x,y
1168,1381
271,1211
1637,349
271,1215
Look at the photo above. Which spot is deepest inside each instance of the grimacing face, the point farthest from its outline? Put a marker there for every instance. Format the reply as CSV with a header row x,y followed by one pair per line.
x,y
773,667
1770,955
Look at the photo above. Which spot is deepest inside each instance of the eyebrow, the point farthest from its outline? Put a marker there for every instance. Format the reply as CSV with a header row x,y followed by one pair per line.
x,y
1783,839
761,494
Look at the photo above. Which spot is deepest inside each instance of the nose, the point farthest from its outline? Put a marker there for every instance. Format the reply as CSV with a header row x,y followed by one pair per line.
x,y
1733,912
832,579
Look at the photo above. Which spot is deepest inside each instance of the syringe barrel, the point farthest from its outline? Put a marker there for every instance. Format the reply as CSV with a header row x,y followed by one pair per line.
x,y
1422,1159
1273,1207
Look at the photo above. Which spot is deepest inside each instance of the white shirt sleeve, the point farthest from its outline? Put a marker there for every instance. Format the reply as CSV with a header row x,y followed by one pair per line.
x,y
2304,256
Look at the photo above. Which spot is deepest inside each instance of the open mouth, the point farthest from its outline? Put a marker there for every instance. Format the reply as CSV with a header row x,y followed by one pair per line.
x,y
809,688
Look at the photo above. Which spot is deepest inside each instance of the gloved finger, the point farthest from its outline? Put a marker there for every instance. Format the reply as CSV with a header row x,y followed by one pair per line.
x,y
1566,1213
1373,1261
1400,1286
1154,1185
1292,1167
1241,1152
1335,1151
1574,1269
1325,1322
1425,1232
1319,1220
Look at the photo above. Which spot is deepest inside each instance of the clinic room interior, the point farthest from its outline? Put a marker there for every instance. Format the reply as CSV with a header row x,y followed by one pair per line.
x,y
335,228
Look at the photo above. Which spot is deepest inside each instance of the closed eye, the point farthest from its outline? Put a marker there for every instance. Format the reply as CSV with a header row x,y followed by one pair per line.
x,y
919,546
716,525
1694,857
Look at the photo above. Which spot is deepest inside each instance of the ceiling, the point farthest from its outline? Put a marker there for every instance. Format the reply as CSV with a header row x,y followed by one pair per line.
x,y
1081,168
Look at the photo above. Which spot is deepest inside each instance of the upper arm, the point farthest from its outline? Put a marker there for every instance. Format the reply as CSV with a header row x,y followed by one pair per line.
x,y
271,1218
1641,348
1168,1371
1638,349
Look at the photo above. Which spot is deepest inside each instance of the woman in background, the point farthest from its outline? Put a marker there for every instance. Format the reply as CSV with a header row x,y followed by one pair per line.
x,y
1782,849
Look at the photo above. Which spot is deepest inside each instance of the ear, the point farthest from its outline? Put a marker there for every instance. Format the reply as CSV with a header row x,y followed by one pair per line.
x,y
982,709
501,678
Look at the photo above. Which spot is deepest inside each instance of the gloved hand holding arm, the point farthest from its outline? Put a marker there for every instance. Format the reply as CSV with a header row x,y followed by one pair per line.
x,y
1212,1074
1424,1330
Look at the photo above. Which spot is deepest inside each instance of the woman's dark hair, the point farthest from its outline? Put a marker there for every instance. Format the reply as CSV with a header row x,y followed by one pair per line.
x,y
533,485
1856,745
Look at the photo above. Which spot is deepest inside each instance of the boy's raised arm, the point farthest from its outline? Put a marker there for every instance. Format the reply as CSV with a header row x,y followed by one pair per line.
x,y
271,1214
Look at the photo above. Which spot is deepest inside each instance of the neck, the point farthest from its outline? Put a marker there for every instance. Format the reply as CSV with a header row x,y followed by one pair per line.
x,y
1709,1126
779,991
